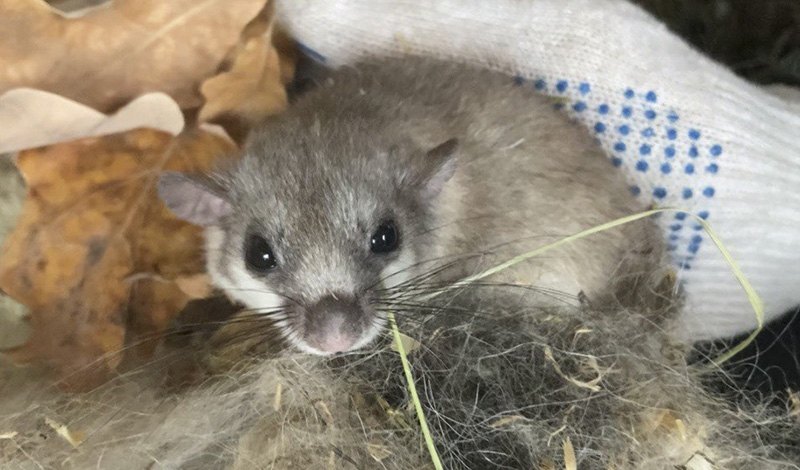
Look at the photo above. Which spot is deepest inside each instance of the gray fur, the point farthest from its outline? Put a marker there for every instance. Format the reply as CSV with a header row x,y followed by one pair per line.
x,y
317,180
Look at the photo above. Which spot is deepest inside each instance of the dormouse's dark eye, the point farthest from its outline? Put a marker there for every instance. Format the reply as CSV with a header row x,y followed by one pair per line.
x,y
258,254
385,239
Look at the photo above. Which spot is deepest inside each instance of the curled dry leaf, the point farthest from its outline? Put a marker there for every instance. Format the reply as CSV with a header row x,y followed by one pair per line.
x,y
120,50
34,118
197,286
95,253
251,89
254,85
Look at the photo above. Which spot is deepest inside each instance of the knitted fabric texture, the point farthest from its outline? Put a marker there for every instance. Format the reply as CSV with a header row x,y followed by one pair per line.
x,y
685,131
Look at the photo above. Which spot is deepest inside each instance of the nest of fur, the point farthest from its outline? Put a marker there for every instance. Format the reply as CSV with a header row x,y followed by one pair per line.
x,y
503,385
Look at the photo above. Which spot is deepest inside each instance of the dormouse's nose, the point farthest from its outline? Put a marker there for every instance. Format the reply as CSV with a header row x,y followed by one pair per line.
x,y
334,323
335,337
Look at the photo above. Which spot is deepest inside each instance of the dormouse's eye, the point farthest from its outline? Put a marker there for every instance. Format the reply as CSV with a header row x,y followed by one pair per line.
x,y
385,238
258,254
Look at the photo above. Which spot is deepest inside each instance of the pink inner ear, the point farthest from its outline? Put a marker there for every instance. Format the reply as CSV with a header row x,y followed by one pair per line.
x,y
446,149
191,200
440,177
443,163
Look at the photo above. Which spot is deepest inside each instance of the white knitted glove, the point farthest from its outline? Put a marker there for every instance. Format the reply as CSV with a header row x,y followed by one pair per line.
x,y
684,129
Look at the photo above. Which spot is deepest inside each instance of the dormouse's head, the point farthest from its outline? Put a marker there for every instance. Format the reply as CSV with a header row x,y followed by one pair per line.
x,y
314,229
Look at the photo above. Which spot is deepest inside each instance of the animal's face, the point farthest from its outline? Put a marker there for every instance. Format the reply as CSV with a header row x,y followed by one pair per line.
x,y
316,239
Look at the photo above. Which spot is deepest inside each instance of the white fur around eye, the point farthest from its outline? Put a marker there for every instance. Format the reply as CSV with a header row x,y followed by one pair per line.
x,y
398,271
238,284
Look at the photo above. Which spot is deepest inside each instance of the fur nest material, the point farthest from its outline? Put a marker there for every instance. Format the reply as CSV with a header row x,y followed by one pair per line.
x,y
502,384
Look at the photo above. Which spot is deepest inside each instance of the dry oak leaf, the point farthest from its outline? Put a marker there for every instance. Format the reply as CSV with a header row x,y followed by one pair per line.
x,y
96,255
121,49
250,90
254,86
34,118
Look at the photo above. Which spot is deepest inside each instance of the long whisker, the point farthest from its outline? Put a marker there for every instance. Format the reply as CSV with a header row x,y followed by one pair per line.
x,y
425,274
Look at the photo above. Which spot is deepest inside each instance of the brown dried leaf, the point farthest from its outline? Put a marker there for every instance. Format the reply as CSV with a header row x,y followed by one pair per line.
x,y
251,89
152,307
197,286
34,118
95,252
254,86
121,50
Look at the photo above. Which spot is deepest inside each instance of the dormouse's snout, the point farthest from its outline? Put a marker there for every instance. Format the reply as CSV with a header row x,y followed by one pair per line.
x,y
334,324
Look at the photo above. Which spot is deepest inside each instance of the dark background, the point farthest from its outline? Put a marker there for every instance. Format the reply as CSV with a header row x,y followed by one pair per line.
x,y
758,39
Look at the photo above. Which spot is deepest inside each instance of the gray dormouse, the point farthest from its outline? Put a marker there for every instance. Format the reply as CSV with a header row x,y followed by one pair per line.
x,y
403,172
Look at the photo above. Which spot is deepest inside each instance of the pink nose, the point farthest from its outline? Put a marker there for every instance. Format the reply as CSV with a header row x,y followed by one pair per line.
x,y
333,336
334,343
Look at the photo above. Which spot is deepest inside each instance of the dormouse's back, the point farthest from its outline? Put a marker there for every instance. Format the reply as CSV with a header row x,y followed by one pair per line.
x,y
382,101
409,87
372,121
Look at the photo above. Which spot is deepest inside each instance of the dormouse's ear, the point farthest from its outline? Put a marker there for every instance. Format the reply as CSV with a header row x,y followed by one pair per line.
x,y
440,167
194,199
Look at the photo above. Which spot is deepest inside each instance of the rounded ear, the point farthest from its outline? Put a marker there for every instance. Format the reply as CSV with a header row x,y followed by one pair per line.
x,y
439,167
193,198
